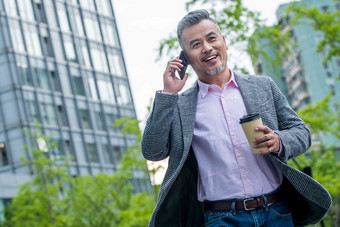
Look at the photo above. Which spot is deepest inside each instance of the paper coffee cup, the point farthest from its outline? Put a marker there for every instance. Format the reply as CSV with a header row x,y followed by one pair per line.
x,y
249,123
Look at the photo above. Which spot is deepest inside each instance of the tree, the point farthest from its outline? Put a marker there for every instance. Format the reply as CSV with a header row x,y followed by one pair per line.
x,y
327,22
54,198
322,158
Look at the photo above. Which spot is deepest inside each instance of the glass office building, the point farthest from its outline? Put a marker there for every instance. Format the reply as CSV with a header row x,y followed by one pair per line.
x,y
61,65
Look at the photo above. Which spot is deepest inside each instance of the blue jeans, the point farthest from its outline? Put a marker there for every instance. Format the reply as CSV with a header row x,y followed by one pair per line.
x,y
277,215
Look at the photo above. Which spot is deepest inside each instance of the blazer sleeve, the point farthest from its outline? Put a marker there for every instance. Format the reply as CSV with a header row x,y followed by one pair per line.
x,y
155,140
293,132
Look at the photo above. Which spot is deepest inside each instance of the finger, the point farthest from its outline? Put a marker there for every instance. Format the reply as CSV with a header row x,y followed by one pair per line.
x,y
262,138
264,129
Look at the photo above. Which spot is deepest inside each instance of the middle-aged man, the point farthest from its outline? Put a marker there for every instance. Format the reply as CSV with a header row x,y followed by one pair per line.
x,y
213,177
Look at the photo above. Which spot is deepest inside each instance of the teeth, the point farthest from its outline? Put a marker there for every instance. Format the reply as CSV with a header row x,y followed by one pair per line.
x,y
208,59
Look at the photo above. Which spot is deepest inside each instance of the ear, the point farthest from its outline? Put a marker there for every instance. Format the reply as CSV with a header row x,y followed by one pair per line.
x,y
225,42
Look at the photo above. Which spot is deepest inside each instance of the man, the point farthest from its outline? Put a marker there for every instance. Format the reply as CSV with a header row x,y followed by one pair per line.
x,y
213,177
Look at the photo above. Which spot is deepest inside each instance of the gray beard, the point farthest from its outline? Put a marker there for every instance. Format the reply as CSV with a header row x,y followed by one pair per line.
x,y
214,72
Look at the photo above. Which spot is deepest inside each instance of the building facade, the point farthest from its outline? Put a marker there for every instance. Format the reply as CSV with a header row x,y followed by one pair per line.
x,y
61,65
303,77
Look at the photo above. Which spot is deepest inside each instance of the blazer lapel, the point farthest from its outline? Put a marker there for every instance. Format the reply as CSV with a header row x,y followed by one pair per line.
x,y
248,91
187,103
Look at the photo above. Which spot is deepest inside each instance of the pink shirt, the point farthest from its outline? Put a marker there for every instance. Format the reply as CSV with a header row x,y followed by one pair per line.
x,y
227,166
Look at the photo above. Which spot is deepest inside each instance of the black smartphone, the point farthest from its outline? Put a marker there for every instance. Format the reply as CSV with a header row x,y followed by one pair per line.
x,y
184,63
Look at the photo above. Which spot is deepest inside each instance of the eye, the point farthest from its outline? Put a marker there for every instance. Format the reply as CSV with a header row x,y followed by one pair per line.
x,y
196,44
212,38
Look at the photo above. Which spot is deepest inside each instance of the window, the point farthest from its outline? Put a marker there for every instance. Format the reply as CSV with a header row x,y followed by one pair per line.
x,y
55,81
32,40
69,50
109,33
56,150
85,55
93,89
106,91
69,151
16,36
24,73
110,119
117,153
40,12
78,85
42,78
32,110
85,119
87,4
77,25
104,7
62,16
25,9
3,155
108,156
116,65
92,27
100,121
93,155
98,58
46,46
62,116
122,93
48,114
11,8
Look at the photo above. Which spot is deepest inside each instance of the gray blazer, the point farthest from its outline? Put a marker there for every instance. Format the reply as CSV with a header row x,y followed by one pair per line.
x,y
169,132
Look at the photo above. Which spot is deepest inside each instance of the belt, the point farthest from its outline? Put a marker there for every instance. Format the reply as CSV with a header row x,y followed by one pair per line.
x,y
246,204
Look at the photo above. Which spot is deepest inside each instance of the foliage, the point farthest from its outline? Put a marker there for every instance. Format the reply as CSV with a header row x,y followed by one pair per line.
x,y
328,23
54,198
323,159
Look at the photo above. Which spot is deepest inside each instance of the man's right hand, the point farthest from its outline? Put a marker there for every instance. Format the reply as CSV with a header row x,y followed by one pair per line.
x,y
172,84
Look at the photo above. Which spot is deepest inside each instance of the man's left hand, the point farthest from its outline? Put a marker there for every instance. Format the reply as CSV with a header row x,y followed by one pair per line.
x,y
270,139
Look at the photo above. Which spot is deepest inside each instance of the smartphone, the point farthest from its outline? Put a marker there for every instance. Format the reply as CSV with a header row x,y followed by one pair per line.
x,y
184,63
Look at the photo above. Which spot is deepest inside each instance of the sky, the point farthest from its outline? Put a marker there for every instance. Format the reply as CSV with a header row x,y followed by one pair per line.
x,y
142,24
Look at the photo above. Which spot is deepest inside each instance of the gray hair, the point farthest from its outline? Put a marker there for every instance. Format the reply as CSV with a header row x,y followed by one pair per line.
x,y
192,18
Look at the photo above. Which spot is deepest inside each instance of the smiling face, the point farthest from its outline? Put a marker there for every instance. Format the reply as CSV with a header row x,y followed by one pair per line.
x,y
206,49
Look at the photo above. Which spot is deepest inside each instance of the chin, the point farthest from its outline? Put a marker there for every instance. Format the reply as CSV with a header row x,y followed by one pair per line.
x,y
216,71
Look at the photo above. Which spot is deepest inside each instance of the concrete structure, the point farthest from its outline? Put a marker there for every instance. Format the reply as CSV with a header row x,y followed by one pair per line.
x,y
303,77
61,65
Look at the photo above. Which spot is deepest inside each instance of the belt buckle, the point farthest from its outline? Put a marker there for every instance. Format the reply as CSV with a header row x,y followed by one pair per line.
x,y
245,204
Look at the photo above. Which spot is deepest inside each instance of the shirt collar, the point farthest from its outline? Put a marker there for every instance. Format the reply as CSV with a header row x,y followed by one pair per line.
x,y
205,88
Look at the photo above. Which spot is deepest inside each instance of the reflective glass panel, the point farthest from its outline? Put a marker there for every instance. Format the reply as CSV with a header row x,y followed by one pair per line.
x,y
93,155
62,16
16,36
25,9
85,119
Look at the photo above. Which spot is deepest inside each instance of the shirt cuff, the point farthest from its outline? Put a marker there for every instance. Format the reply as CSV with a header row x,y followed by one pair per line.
x,y
281,153
163,92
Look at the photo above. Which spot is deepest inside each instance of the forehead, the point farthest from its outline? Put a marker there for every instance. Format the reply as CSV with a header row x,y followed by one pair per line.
x,y
200,30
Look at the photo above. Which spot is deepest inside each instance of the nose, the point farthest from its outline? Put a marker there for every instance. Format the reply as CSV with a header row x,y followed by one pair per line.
x,y
206,47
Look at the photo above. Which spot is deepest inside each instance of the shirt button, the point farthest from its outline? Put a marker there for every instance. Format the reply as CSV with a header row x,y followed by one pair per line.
x,y
239,155
244,176
222,96
233,134
228,114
